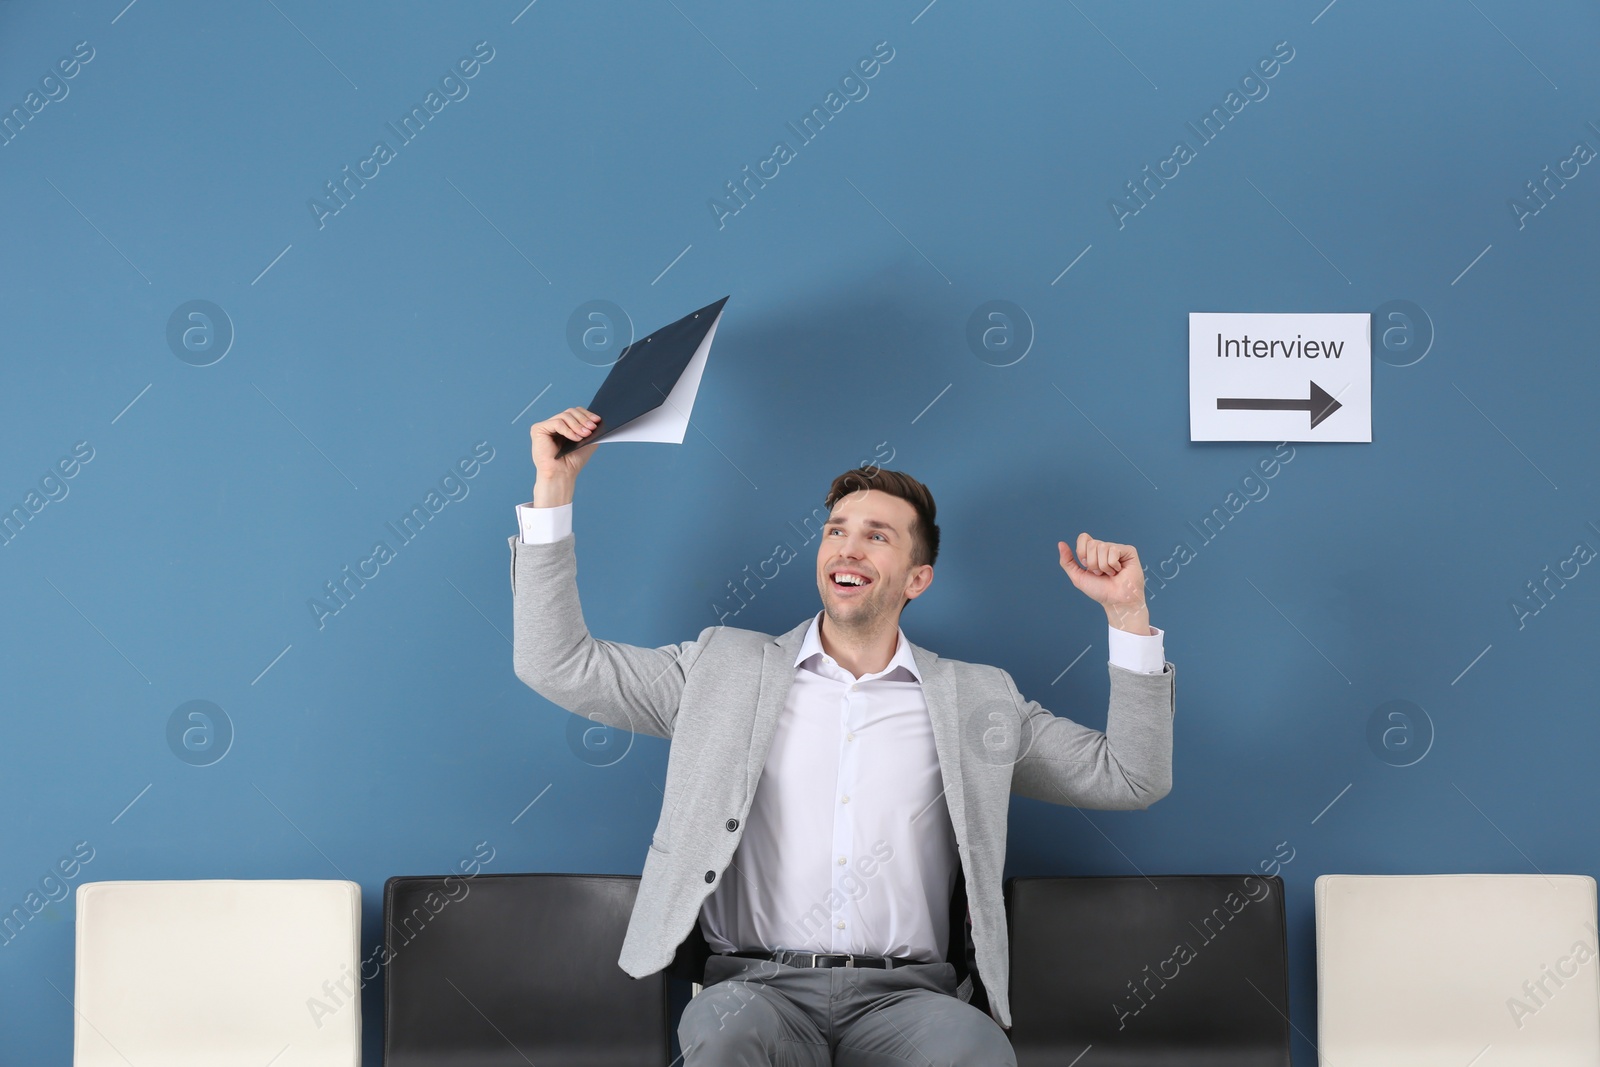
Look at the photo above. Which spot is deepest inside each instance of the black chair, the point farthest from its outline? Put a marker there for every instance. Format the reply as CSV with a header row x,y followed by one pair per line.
x,y
1167,970
500,970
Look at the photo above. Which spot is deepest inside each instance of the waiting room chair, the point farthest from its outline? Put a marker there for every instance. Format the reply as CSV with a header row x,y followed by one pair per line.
x,y
217,973
1497,970
503,970
1187,970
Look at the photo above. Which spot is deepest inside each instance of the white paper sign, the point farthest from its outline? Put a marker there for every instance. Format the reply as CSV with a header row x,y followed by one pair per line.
x,y
1280,377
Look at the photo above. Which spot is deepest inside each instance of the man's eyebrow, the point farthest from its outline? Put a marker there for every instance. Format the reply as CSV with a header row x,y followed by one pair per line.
x,y
877,524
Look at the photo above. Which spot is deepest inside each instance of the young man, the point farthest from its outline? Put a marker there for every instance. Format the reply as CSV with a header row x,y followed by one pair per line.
x,y
828,789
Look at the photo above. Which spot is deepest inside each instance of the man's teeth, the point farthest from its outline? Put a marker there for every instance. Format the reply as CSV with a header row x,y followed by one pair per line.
x,y
849,579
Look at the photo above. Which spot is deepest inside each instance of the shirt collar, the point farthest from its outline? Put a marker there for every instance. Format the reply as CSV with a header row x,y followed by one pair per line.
x,y
902,658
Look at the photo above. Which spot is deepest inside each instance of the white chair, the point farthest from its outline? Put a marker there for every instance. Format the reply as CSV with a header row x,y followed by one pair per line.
x,y
218,973
1492,970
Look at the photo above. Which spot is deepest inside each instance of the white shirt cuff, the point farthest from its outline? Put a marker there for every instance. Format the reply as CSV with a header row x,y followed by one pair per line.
x,y
1146,655
540,526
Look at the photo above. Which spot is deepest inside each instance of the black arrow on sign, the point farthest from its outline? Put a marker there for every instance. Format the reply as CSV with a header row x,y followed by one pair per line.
x,y
1320,404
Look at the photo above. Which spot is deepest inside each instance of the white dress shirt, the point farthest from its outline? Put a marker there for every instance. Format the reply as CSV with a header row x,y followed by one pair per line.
x,y
848,845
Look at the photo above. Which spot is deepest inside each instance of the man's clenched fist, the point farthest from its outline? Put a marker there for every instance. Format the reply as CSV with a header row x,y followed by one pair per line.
x,y
1111,576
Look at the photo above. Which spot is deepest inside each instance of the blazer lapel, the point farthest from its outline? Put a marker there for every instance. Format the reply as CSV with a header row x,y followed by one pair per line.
x,y
939,691
777,674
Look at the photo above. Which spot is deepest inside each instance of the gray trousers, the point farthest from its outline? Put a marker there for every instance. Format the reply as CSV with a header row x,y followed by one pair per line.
x,y
755,1013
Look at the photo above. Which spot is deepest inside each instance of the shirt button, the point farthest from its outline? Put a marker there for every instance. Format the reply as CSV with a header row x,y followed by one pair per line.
x,y
733,824
849,737
840,924
841,859
711,876
845,800
853,688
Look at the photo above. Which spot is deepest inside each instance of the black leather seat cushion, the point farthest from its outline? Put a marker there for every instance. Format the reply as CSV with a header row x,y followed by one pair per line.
x,y
502,969
1173,969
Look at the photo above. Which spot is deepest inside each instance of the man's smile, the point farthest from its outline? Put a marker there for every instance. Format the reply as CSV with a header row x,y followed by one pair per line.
x,y
848,582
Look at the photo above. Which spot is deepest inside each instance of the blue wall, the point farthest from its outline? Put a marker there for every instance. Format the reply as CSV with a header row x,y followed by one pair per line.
x,y
374,347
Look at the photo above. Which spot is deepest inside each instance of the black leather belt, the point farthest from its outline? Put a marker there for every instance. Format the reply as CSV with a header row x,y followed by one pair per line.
x,y
792,957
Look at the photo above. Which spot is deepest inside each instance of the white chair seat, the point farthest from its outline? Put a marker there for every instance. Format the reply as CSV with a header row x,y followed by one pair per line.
x,y
1492,970
219,973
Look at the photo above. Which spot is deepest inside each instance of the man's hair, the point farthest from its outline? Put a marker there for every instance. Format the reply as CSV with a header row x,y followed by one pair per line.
x,y
924,531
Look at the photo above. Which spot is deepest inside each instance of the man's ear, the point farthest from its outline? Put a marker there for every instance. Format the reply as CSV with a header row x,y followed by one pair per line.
x,y
921,578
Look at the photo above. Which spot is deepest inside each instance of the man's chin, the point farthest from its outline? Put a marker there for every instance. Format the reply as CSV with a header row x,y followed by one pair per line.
x,y
852,612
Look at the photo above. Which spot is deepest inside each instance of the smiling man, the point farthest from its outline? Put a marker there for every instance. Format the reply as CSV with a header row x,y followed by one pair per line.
x,y
828,857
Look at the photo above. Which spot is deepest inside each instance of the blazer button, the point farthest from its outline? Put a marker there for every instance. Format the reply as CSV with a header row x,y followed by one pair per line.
x,y
711,876
733,824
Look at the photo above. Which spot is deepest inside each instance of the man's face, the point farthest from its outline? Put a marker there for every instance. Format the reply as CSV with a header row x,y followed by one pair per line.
x,y
868,535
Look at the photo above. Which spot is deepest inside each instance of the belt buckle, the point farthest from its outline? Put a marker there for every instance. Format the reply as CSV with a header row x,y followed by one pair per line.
x,y
849,960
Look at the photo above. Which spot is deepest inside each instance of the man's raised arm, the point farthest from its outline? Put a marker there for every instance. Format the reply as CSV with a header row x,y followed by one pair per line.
x,y
624,686
1130,764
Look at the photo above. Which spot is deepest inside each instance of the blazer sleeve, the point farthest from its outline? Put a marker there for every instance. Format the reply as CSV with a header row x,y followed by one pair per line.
x,y
628,687
1128,766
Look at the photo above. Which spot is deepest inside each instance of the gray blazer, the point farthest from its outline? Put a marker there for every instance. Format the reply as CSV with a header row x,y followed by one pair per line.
x,y
718,698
